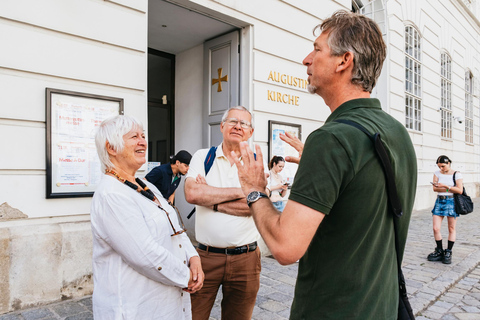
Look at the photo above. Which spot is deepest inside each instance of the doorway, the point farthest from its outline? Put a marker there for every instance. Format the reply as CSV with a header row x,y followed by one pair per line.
x,y
161,105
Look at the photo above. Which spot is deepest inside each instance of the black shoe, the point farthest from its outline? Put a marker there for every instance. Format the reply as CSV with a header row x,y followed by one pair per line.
x,y
436,255
447,256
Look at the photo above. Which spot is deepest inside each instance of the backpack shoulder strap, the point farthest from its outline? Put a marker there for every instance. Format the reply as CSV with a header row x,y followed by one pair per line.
x,y
212,153
394,201
207,164
210,159
356,125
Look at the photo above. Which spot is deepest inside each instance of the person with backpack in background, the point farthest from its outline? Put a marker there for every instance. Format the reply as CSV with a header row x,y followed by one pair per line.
x,y
446,184
224,228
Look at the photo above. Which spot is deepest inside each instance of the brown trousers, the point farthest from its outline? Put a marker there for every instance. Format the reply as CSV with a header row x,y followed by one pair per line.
x,y
239,276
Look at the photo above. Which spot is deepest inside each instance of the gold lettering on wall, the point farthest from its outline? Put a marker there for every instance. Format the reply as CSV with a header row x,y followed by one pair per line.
x,y
283,98
287,80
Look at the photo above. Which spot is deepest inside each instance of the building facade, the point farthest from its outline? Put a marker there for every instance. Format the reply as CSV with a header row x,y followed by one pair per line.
x,y
432,70
176,65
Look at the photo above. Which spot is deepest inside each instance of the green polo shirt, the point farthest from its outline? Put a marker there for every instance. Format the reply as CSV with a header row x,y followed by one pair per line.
x,y
349,270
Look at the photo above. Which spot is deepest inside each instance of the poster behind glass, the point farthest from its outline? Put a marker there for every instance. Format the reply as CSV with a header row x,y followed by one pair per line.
x,y
279,148
73,167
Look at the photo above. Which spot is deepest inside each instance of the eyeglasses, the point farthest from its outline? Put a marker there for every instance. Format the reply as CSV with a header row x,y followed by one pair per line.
x,y
234,121
175,232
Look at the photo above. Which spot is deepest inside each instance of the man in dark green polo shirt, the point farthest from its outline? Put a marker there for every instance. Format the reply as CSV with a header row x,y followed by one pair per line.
x,y
337,219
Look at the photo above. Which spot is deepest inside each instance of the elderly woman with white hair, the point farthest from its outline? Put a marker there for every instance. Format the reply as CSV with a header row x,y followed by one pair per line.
x,y
144,265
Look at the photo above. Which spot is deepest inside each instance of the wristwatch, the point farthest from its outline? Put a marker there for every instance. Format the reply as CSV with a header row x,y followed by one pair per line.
x,y
254,196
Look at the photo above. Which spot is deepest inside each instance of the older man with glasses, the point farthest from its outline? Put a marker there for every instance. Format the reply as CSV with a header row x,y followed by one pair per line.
x,y
225,230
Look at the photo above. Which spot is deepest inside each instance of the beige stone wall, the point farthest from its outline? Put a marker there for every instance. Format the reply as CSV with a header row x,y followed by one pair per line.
x,y
44,260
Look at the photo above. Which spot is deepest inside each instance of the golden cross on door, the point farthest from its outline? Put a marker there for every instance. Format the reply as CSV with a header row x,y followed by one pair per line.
x,y
220,79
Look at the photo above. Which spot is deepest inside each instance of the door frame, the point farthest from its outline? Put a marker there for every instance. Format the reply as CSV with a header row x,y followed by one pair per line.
x,y
156,102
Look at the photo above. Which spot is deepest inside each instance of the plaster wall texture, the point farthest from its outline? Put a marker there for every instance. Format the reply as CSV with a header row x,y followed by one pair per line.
x,y
50,45
44,260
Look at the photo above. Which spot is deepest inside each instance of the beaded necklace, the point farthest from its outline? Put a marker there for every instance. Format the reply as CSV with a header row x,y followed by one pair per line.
x,y
146,192
143,189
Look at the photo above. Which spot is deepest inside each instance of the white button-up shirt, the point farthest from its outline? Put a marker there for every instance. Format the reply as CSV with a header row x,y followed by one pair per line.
x,y
139,269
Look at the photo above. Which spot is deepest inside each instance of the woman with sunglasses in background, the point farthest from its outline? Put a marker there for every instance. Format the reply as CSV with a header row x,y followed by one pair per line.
x,y
144,265
445,186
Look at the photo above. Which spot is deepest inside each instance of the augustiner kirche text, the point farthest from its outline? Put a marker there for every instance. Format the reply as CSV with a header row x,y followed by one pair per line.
x,y
288,80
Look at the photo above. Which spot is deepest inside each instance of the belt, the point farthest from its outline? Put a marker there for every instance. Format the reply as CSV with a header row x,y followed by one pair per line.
x,y
444,197
232,250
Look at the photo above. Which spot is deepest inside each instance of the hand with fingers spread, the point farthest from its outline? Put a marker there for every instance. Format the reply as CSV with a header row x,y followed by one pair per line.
x,y
251,173
294,142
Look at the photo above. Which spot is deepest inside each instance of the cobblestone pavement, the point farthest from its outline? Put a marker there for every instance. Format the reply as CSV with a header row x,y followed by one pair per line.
x,y
78,309
460,302
428,281
436,290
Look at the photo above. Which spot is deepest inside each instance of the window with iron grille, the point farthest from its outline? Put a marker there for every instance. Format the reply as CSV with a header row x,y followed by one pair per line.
x,y
446,95
413,77
468,107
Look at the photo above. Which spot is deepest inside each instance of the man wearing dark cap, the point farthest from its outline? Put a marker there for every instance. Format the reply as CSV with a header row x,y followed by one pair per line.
x,y
167,176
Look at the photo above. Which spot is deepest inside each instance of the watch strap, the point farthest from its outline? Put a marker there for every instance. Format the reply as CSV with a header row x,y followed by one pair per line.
x,y
259,195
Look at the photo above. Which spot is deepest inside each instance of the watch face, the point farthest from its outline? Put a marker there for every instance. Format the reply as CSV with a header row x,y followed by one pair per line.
x,y
252,196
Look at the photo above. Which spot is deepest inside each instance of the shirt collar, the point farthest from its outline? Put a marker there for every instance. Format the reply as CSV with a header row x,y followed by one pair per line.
x,y
220,154
170,171
354,104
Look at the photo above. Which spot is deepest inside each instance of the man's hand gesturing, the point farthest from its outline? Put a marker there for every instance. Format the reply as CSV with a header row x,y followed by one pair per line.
x,y
294,142
251,173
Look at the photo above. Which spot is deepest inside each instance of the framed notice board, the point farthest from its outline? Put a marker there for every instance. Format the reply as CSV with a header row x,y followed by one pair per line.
x,y
73,167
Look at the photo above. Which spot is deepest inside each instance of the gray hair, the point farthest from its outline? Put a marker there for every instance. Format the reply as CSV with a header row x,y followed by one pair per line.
x,y
112,130
241,108
353,32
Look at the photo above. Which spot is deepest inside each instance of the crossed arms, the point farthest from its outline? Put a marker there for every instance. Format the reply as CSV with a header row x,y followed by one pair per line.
x,y
228,200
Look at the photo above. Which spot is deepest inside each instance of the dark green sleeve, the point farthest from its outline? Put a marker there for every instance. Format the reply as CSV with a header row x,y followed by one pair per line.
x,y
323,172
